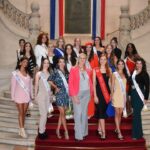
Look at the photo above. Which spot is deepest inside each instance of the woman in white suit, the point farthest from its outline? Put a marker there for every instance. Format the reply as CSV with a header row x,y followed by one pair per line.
x,y
41,48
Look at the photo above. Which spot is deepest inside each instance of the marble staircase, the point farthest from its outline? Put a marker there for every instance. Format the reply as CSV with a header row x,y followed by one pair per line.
x,y
9,123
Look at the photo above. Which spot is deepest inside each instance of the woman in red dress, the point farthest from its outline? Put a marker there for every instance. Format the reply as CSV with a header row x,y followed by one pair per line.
x,y
91,63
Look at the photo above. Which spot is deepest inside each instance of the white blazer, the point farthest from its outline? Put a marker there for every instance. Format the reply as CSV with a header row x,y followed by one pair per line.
x,y
39,51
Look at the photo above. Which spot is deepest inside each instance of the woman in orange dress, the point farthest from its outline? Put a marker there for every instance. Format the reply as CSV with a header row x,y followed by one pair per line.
x,y
91,63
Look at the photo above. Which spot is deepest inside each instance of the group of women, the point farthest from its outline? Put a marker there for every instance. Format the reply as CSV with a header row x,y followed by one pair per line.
x,y
87,79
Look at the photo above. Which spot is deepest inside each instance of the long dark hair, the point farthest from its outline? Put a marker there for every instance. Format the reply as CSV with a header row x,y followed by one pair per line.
x,y
114,39
124,69
144,68
21,60
42,64
91,53
39,39
31,50
134,50
73,55
57,66
100,44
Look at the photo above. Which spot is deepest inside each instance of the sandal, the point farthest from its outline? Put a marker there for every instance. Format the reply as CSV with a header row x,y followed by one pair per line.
x,y
120,137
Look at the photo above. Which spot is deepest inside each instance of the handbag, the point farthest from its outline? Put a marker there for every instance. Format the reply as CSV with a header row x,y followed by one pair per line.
x,y
110,110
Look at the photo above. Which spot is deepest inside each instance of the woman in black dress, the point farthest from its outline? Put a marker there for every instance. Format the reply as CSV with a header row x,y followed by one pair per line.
x,y
28,52
101,77
139,96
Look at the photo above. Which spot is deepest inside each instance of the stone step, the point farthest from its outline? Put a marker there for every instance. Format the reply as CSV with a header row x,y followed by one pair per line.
x,y
145,117
146,132
146,112
6,115
15,120
8,101
10,109
15,130
7,94
145,122
15,139
146,126
16,125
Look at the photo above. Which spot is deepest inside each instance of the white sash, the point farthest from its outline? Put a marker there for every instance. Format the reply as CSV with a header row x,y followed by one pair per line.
x,y
123,90
60,51
95,50
64,80
137,86
21,83
145,108
87,64
128,72
46,84
76,51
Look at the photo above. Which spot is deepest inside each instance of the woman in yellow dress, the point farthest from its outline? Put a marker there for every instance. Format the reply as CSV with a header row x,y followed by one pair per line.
x,y
118,93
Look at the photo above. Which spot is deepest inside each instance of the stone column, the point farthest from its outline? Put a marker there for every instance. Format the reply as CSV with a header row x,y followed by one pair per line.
x,y
125,28
34,23
149,8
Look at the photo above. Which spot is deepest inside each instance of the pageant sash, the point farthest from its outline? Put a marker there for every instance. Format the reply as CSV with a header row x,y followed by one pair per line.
x,y
46,84
21,83
102,85
60,51
123,90
87,64
64,80
128,72
137,86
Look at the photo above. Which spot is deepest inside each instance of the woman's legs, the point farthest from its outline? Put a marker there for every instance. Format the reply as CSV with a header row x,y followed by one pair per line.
x,y
20,114
25,108
21,117
62,120
118,115
102,124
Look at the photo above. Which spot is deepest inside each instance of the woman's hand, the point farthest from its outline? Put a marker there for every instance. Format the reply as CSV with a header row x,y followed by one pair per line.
x,y
96,99
76,100
57,90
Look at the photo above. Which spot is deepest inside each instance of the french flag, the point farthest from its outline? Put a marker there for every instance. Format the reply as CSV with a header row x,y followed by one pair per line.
x,y
57,18
98,18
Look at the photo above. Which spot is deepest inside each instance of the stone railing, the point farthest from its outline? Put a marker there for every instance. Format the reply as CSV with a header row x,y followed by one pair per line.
x,y
20,18
140,18
131,22
29,23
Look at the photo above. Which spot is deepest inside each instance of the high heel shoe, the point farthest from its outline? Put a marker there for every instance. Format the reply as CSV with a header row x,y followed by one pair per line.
x,y
99,132
120,137
66,135
116,131
22,133
58,134
103,136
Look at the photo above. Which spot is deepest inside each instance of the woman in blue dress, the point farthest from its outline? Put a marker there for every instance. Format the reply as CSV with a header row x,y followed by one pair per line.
x,y
59,81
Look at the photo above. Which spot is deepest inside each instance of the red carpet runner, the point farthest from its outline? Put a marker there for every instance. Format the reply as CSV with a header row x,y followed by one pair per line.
x,y
92,141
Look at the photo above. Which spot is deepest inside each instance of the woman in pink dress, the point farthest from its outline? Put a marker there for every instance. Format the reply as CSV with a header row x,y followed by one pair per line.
x,y
21,84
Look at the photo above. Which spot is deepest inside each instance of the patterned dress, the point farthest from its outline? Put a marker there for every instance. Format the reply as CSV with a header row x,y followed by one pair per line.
x,y
62,98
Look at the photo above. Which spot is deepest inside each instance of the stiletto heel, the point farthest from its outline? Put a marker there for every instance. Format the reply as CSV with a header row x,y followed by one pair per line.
x,y
66,135
99,132
120,137
58,134
103,136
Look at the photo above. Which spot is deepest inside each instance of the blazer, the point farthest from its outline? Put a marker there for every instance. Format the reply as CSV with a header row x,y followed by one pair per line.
x,y
74,81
